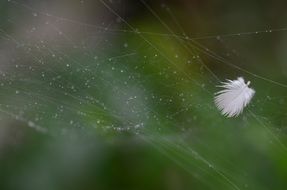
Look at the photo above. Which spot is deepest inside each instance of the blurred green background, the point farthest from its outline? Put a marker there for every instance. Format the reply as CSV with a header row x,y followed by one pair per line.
x,y
118,94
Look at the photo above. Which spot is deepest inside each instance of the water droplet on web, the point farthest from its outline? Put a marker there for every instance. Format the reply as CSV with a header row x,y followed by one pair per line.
x,y
31,124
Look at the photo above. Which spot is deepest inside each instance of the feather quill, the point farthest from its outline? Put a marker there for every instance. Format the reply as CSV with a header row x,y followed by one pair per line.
x,y
234,97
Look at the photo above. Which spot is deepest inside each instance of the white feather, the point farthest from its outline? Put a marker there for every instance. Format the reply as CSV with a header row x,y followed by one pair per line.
x,y
234,97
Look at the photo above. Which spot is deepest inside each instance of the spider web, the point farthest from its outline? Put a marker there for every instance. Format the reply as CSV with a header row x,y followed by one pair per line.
x,y
114,75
